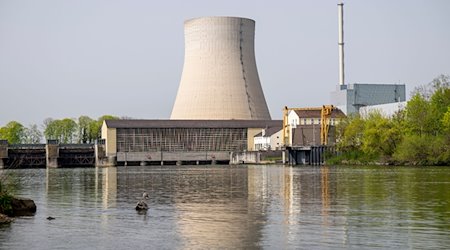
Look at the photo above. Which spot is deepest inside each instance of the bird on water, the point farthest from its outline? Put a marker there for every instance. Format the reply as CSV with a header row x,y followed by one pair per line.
x,y
142,205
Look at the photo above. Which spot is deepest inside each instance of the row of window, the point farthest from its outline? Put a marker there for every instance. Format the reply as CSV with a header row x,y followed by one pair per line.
x,y
179,139
312,121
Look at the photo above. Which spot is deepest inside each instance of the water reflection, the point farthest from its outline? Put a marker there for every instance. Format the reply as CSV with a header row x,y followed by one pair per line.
x,y
230,207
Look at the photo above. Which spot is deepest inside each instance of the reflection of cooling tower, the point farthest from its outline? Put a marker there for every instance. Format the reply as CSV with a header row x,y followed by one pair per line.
x,y
220,79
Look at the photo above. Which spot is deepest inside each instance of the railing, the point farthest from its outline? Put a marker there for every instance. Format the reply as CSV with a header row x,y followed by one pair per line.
x,y
74,145
26,146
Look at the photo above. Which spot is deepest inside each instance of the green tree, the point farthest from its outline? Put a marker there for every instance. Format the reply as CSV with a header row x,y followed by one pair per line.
x,y
349,133
418,115
381,136
446,122
32,134
50,129
84,129
97,126
64,130
68,130
13,132
439,104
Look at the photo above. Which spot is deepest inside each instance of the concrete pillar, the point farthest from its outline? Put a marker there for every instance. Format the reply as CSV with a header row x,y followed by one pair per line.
x,y
143,163
100,156
112,160
179,163
3,153
52,153
283,156
213,160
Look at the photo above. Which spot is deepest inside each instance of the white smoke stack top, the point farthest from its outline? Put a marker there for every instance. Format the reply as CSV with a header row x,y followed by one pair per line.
x,y
341,43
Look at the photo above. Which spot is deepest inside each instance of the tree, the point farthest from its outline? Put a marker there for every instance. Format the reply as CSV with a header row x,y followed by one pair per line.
x,y
446,122
97,126
439,104
381,136
50,128
418,115
68,130
32,134
349,133
64,130
13,132
84,129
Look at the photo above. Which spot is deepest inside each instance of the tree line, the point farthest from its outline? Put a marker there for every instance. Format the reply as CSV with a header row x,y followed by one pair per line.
x,y
67,130
417,135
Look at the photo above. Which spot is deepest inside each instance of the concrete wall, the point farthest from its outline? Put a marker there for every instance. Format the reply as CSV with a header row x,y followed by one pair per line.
x,y
220,78
110,136
172,156
276,140
251,132
3,152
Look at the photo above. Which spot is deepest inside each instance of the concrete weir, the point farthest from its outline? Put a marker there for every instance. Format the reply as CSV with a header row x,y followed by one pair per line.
x,y
308,155
53,155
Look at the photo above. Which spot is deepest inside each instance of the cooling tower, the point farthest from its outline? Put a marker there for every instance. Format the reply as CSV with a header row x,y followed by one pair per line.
x,y
220,79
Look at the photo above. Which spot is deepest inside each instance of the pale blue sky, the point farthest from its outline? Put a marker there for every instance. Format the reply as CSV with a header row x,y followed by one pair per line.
x,y
69,58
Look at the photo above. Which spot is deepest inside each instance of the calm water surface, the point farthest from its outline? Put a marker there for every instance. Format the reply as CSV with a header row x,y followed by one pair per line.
x,y
269,207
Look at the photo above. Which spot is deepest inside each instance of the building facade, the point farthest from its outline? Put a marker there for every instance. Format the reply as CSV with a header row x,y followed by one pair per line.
x,y
158,141
305,126
351,97
269,139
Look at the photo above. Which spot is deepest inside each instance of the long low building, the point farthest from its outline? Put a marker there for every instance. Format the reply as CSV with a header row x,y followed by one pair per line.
x,y
179,141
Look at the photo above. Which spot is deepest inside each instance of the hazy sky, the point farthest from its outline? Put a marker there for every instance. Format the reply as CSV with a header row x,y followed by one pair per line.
x,y
88,57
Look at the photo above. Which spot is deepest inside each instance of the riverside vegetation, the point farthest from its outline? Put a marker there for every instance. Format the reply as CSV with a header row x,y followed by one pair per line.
x,y
67,130
417,135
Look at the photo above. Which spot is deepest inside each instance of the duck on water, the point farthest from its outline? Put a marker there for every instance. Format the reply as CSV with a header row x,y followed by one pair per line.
x,y
142,205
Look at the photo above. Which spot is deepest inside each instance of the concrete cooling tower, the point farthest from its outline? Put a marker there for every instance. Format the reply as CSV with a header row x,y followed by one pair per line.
x,y
220,79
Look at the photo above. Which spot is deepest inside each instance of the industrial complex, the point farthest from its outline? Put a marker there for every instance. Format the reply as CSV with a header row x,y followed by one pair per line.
x,y
220,114
220,111
219,107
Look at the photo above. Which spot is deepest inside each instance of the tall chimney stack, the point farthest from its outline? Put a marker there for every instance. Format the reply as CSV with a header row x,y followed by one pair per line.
x,y
341,43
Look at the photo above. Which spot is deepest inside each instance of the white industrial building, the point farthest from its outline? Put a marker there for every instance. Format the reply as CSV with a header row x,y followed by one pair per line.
x,y
268,139
351,98
386,110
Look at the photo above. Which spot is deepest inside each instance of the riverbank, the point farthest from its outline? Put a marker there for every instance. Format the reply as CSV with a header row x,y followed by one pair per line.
x,y
12,207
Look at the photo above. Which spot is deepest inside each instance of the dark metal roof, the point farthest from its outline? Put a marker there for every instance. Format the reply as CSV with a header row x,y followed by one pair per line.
x,y
270,131
192,123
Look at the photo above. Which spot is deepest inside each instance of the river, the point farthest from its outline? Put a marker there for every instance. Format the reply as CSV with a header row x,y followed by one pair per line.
x,y
252,207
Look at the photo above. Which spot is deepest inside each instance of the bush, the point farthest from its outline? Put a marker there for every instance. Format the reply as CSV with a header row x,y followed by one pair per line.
x,y
5,201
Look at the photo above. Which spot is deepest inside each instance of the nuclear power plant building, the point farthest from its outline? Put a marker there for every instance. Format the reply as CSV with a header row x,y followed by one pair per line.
x,y
220,79
219,107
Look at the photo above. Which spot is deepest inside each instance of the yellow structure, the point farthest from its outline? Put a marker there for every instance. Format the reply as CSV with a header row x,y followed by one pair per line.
x,y
326,112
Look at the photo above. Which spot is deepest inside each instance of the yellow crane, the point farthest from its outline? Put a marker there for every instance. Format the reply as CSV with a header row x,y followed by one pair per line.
x,y
325,114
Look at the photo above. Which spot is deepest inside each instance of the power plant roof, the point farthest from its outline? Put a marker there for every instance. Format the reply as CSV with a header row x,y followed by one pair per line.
x,y
192,123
